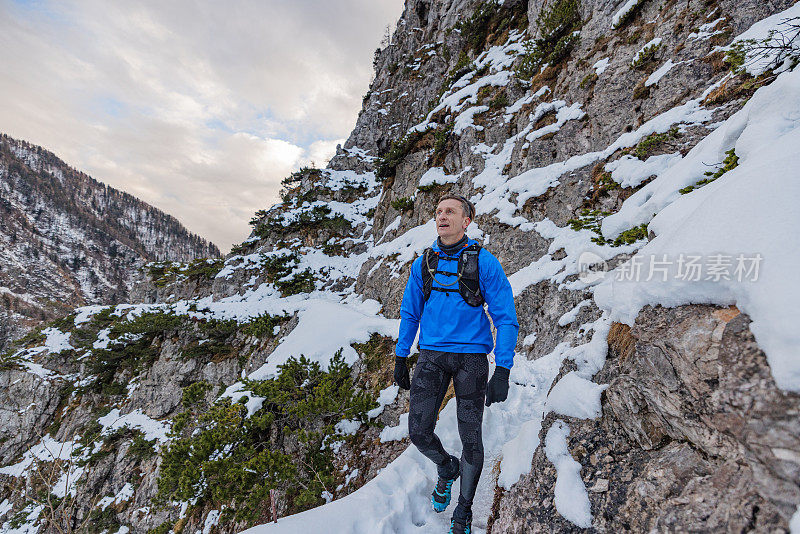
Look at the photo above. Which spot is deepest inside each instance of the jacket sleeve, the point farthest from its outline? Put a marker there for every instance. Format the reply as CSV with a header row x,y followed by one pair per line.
x,y
410,310
499,297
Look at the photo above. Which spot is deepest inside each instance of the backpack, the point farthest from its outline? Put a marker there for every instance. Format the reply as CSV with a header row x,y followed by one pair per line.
x,y
467,274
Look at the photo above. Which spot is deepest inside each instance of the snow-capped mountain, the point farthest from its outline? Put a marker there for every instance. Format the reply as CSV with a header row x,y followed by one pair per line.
x,y
635,168
68,240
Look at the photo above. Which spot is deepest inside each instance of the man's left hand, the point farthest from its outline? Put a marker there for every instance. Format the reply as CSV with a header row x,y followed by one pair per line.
x,y
497,389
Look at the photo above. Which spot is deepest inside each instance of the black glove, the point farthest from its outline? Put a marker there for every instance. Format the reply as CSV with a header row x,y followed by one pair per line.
x,y
401,373
497,389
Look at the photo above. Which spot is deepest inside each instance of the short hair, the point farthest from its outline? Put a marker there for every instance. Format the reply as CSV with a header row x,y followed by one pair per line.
x,y
466,205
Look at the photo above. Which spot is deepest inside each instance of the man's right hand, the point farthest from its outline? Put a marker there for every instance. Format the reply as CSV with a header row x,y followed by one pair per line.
x,y
401,373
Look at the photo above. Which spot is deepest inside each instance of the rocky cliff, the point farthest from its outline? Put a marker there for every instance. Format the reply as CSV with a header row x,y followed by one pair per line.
x,y
68,240
592,137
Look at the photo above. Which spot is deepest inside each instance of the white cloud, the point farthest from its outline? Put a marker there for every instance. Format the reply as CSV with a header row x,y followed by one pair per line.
x,y
197,108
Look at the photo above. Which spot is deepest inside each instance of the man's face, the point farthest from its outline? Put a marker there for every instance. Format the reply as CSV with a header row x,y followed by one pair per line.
x,y
451,222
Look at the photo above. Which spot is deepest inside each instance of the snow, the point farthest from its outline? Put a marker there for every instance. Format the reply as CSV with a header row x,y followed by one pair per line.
x,y
324,327
5,506
102,340
57,341
571,498
237,391
386,397
574,396
576,244
67,482
757,62
466,119
705,31
211,521
396,433
630,171
347,427
437,176
46,450
124,494
626,7
569,316
30,525
498,188
725,219
151,428
397,500
601,66
529,340
564,113
464,95
660,72
409,244
85,313
655,42
465,90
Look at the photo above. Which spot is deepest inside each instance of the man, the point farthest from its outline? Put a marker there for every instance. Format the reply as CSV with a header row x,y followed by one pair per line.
x,y
444,298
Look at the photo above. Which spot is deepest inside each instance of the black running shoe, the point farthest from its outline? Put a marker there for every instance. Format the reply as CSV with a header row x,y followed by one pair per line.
x,y
440,498
461,522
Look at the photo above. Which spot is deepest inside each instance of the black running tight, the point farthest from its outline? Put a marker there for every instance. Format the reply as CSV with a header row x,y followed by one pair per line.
x,y
432,375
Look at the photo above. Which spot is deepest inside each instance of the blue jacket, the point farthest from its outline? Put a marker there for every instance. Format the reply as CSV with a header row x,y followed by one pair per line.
x,y
449,324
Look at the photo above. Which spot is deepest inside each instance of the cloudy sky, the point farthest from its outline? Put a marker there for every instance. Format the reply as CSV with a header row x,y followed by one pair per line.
x,y
198,108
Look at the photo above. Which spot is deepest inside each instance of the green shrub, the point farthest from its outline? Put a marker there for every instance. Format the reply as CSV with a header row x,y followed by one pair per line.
x,y
10,362
646,56
631,235
317,218
440,138
557,26
139,349
649,143
263,325
737,55
491,19
388,162
103,520
730,162
195,393
591,220
225,457
333,249
475,29
403,203
34,337
588,80
142,449
302,282
163,528
66,323
499,101
163,273
629,15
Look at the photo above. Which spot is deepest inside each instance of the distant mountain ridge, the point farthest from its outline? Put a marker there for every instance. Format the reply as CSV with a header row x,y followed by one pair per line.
x,y
67,239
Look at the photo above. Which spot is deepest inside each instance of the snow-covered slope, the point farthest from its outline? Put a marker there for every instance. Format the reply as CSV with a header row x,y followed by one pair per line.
x,y
621,160
69,240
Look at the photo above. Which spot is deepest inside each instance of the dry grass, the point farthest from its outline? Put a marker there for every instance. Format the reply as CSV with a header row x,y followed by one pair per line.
x,y
621,341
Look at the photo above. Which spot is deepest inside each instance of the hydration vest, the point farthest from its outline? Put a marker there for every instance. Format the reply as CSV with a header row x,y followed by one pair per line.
x,y
466,275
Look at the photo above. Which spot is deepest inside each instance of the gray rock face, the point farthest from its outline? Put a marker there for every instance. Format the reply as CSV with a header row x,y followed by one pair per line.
x,y
694,435
27,404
